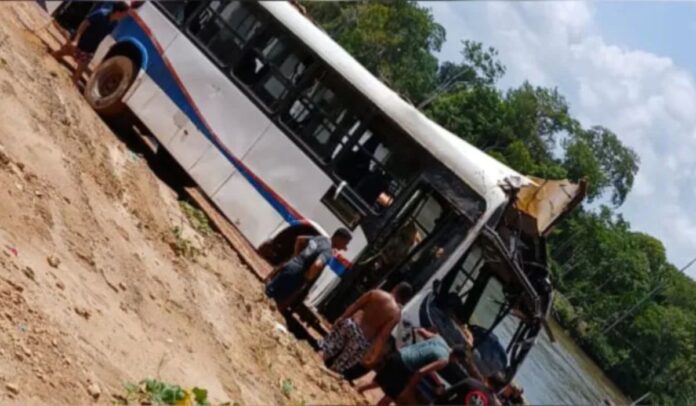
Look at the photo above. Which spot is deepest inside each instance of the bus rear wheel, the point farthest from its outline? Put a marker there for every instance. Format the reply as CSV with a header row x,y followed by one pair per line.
x,y
109,83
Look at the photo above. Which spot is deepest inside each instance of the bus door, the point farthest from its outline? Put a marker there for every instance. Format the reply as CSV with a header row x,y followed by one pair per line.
x,y
419,219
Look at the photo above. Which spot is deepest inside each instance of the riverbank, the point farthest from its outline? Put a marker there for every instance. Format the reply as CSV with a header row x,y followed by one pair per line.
x,y
578,332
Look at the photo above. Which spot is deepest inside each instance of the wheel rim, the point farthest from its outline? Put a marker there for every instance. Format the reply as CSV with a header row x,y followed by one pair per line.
x,y
109,83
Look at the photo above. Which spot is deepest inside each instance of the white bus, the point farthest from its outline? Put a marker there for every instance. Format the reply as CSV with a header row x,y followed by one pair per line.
x,y
288,134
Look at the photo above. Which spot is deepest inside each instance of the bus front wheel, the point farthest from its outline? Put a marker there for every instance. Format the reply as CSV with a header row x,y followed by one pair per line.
x,y
109,83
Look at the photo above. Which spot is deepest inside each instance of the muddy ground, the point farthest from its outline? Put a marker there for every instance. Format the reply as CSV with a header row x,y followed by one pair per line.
x,y
103,279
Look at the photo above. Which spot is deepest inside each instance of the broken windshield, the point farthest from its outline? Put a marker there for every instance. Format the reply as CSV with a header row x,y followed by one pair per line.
x,y
474,294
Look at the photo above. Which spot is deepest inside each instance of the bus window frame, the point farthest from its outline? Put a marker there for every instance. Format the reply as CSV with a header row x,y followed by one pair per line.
x,y
366,114
369,111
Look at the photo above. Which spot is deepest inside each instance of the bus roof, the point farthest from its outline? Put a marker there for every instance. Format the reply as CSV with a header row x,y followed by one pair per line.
x,y
479,170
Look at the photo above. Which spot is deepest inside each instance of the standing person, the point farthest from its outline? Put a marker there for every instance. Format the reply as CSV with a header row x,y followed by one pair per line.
x,y
312,254
360,333
404,369
90,34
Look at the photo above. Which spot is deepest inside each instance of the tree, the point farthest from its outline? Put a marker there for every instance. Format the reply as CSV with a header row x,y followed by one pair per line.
x,y
479,67
598,152
394,40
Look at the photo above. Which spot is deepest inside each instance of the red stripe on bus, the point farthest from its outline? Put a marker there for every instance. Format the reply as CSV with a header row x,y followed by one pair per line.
x,y
189,99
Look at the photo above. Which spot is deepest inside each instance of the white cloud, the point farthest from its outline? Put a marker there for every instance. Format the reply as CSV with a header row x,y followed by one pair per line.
x,y
645,98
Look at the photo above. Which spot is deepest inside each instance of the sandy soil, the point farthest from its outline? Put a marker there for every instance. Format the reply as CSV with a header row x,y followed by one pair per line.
x,y
93,293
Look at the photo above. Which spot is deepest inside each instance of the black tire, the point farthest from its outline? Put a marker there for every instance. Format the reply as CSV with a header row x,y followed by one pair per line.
x,y
109,83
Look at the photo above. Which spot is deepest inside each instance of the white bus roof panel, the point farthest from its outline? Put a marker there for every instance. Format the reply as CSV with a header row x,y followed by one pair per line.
x,y
480,171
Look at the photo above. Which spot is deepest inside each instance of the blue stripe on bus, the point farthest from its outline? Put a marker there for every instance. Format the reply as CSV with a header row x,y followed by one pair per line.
x,y
159,72
164,76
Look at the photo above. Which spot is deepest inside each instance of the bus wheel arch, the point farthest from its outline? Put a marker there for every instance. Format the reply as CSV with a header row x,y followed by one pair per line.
x,y
114,76
279,248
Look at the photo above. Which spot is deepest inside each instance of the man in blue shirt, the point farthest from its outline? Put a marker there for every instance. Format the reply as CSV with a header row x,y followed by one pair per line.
x,y
90,34
312,254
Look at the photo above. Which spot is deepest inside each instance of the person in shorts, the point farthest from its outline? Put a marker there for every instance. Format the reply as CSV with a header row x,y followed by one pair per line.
x,y
360,334
403,369
90,34
312,255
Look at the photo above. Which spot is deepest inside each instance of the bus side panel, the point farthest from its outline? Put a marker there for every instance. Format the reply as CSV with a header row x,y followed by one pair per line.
x,y
247,209
189,145
410,318
288,171
159,113
165,30
229,113
212,170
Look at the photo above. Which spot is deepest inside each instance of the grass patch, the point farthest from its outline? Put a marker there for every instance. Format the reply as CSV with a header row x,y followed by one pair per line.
x,y
155,392
196,217
287,387
181,246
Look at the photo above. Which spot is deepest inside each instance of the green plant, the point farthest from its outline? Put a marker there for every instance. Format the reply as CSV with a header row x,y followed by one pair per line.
x,y
287,387
156,392
182,246
196,217
200,396
163,393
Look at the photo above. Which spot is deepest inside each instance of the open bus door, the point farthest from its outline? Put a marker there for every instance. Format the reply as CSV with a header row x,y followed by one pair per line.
x,y
415,239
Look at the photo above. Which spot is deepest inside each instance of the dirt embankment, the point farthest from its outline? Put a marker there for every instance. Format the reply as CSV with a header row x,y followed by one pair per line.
x,y
95,288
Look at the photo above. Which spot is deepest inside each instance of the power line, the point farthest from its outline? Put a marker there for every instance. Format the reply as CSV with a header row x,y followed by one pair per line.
x,y
659,287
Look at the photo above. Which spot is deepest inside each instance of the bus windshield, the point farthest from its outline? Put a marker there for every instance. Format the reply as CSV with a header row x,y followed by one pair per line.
x,y
475,294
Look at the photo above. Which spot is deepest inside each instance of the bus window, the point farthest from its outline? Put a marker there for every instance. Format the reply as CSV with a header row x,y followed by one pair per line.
x,y
279,66
224,28
378,165
179,11
486,309
465,276
272,65
320,117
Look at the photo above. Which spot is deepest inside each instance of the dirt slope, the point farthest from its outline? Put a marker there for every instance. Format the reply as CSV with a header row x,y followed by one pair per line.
x,y
92,290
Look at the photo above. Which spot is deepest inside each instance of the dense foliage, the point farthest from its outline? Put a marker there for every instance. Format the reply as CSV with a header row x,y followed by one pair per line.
x,y
632,311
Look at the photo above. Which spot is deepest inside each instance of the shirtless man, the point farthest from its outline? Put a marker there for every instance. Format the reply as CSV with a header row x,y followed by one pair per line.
x,y
361,332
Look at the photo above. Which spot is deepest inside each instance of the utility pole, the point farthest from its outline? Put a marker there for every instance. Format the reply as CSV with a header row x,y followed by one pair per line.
x,y
644,299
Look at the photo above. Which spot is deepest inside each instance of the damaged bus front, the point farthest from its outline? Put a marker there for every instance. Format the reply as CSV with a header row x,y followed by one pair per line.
x,y
481,263
499,287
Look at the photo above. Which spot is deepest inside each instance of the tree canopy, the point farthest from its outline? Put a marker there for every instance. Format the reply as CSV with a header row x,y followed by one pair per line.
x,y
602,268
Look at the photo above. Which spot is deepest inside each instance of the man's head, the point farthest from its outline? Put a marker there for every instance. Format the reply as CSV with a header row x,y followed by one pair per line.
x,y
459,353
119,10
340,239
402,292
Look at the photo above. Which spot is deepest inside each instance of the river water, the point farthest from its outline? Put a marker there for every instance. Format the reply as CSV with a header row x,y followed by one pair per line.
x,y
557,373
561,374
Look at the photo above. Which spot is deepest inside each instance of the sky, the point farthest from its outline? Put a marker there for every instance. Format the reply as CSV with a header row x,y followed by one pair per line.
x,y
628,66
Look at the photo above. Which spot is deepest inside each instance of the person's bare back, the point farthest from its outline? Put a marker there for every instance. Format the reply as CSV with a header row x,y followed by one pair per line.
x,y
378,309
360,333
